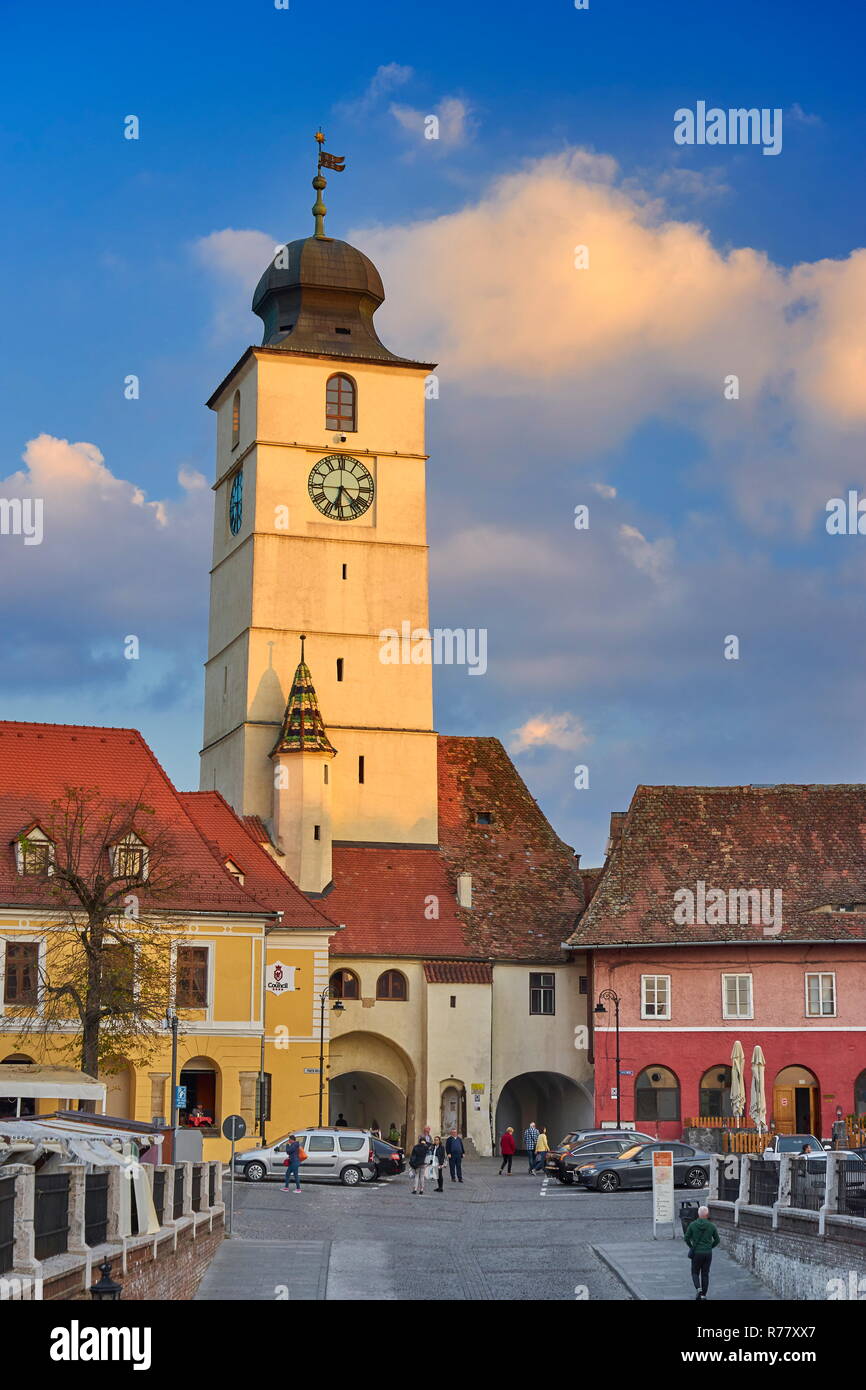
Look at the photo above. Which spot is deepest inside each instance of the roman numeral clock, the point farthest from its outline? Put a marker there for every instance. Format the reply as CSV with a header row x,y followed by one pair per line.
x,y
341,487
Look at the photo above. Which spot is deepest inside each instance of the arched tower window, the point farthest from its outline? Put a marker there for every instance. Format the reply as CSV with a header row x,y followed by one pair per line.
x,y
391,984
236,419
340,404
345,985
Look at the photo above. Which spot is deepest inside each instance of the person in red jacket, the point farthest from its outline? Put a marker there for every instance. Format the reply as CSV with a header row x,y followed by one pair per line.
x,y
507,1147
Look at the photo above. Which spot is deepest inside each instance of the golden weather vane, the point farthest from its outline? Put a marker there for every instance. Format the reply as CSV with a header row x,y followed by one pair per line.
x,y
337,162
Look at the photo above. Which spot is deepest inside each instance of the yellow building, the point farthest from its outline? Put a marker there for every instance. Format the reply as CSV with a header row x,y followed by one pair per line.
x,y
243,945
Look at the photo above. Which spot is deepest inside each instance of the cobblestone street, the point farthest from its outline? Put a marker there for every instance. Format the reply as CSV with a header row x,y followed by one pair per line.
x,y
494,1238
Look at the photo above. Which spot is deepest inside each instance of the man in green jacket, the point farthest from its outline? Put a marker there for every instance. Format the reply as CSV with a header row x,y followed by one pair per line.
x,y
702,1239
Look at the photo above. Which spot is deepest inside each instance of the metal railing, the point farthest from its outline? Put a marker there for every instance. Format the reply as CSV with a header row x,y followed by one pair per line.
x,y
177,1203
51,1215
808,1183
95,1208
7,1223
211,1184
763,1182
159,1193
196,1187
851,1195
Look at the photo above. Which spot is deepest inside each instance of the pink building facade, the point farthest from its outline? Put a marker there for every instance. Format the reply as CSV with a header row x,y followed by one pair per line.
x,y
690,993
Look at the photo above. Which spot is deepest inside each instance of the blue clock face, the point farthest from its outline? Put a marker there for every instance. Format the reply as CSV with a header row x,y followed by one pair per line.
x,y
236,503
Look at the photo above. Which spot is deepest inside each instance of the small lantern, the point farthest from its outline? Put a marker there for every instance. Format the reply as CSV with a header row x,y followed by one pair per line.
x,y
105,1291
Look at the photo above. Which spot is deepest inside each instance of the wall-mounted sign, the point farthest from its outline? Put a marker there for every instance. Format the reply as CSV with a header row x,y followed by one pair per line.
x,y
311,1071
280,977
477,1085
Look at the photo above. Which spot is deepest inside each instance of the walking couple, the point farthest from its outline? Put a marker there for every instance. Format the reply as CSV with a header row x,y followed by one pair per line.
x,y
428,1157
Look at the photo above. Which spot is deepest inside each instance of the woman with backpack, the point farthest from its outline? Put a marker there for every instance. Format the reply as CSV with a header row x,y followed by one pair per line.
x,y
295,1156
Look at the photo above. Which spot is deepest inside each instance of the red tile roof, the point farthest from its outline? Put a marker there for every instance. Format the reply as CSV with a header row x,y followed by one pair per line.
x,y
526,886
809,842
231,838
458,972
386,896
39,761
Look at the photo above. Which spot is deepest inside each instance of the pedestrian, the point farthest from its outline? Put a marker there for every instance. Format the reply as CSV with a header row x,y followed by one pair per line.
x,y
375,1130
341,1122
418,1164
530,1139
293,1164
702,1239
542,1149
427,1137
507,1147
437,1163
455,1151
393,1134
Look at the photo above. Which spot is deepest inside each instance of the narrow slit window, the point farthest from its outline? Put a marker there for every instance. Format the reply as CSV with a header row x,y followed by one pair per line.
x,y
361,767
339,668
345,571
317,832
236,419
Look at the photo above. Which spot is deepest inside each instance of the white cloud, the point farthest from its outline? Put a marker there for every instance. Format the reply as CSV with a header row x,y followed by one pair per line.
x,y
551,731
455,123
236,253
604,490
386,78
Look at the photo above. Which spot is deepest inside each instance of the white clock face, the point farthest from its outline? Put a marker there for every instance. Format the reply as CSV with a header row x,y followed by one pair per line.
x,y
341,487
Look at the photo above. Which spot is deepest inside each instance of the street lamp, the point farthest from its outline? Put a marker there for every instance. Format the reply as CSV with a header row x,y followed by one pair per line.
x,y
106,1290
327,993
171,1022
612,998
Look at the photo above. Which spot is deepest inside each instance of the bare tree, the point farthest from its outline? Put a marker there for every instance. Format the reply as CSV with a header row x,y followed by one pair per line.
x,y
110,876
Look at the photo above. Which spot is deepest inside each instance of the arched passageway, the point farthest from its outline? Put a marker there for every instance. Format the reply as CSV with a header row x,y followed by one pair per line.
x,y
366,1099
547,1097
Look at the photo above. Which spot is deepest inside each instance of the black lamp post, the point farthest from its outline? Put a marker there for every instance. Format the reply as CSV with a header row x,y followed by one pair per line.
x,y
106,1290
612,998
171,1022
327,993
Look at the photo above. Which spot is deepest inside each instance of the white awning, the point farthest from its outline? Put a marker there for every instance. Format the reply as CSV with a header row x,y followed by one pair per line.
x,y
29,1081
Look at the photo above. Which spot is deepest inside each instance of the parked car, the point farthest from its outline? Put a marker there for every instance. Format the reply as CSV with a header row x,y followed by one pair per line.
x,y
583,1136
389,1160
611,1146
791,1144
347,1155
633,1168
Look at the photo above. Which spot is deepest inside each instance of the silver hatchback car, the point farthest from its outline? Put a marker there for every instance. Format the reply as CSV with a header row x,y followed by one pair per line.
x,y
343,1154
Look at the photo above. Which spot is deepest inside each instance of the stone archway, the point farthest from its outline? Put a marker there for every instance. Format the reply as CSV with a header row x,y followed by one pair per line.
x,y
370,1076
553,1100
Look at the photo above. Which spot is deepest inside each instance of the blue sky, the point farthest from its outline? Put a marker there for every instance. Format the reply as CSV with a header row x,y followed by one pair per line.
x,y
717,523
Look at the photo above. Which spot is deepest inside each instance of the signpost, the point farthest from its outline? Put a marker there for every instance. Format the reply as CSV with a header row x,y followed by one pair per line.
x,y
663,1190
234,1127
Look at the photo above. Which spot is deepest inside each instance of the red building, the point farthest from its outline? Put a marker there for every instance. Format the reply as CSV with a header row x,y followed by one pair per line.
x,y
728,914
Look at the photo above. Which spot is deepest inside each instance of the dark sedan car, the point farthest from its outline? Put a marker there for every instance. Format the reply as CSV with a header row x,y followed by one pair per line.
x,y
633,1168
567,1145
390,1159
592,1150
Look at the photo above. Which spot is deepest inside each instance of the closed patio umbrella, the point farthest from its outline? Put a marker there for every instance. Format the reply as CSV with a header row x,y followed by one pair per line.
x,y
738,1085
758,1105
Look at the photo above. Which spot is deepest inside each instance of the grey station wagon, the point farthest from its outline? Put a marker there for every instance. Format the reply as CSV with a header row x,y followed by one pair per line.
x,y
343,1154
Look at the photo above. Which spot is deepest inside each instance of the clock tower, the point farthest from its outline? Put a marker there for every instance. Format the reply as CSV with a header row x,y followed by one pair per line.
x,y
319,530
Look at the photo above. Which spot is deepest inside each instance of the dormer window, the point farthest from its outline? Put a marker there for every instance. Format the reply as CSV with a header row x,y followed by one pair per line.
x,y
129,857
235,871
34,853
483,817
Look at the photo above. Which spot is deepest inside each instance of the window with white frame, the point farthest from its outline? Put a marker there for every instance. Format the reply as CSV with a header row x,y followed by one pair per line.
x,y
34,853
655,996
821,994
129,857
736,996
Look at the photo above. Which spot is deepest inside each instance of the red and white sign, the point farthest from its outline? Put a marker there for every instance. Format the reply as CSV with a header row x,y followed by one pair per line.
x,y
663,1187
279,977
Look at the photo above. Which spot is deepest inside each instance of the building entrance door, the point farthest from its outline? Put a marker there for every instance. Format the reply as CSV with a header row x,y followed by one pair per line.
x,y
783,1110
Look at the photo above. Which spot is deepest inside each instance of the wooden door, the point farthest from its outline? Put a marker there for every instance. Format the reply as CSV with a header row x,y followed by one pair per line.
x,y
784,1111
